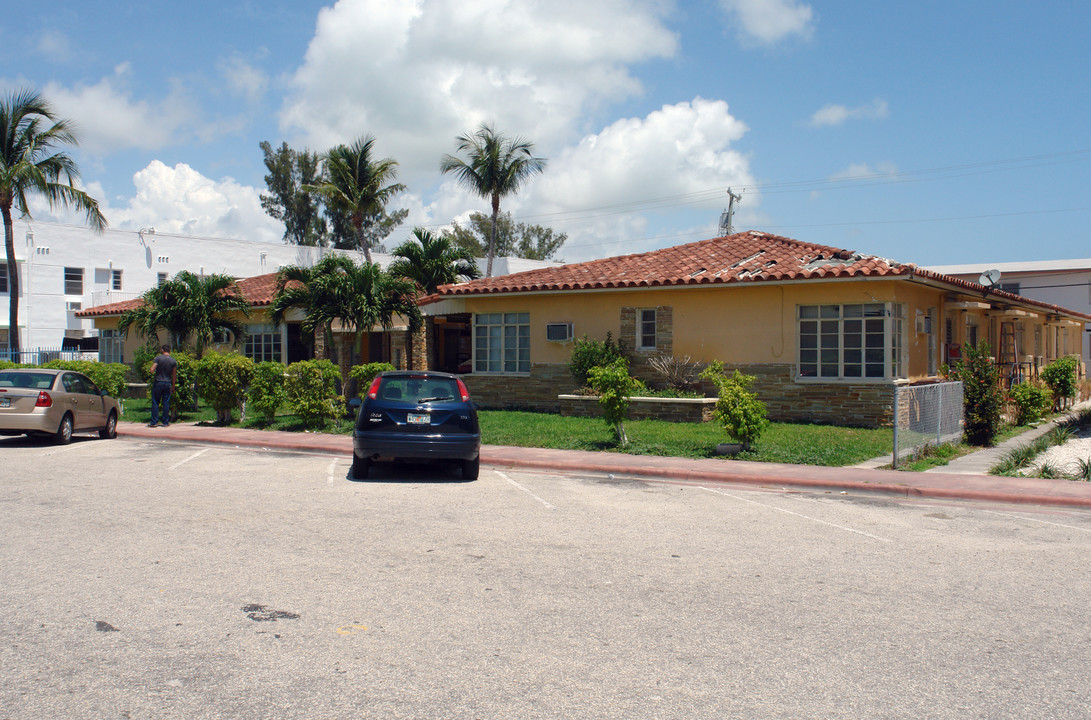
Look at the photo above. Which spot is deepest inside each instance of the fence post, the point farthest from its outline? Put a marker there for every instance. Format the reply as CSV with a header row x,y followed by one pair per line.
x,y
894,462
939,412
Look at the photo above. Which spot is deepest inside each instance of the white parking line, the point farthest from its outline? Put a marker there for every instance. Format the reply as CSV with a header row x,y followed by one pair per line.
x,y
1044,522
789,512
329,471
69,448
191,457
528,492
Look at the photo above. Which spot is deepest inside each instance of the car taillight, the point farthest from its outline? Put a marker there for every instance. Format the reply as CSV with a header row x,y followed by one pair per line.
x,y
463,390
44,400
373,391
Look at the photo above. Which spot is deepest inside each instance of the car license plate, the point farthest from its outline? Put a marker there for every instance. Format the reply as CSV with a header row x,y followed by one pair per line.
x,y
5,402
418,419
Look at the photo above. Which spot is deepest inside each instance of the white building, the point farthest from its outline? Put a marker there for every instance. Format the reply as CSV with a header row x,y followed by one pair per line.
x,y
1066,283
67,268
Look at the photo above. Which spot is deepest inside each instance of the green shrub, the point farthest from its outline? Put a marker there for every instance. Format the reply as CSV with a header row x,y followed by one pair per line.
x,y
222,378
142,362
1031,399
266,393
614,386
587,354
110,377
981,395
738,410
1060,376
364,374
8,365
311,388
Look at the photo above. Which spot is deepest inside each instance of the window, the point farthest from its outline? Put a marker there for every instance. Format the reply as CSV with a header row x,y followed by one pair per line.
x,y
73,281
115,280
161,279
848,342
262,343
110,344
645,330
3,278
502,343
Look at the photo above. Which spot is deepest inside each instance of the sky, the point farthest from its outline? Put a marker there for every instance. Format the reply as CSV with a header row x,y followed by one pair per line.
x,y
932,132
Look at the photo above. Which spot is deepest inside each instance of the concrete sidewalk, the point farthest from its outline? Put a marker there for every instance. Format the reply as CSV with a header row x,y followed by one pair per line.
x,y
684,470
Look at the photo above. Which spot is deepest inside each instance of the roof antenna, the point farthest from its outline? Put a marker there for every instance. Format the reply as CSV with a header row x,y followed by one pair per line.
x,y
726,215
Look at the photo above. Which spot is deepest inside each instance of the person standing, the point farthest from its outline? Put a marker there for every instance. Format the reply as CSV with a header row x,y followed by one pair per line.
x,y
164,378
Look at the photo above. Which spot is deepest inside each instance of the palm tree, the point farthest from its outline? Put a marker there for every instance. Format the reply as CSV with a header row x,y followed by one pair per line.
x,y
30,163
189,306
495,166
337,289
358,185
430,261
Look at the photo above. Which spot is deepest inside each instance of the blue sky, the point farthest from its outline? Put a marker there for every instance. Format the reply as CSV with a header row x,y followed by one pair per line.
x,y
928,132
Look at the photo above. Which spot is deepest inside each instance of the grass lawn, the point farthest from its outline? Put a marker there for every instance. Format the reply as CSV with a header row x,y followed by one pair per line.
x,y
782,442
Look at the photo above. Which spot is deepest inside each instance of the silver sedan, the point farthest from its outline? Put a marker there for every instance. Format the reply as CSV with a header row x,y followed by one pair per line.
x,y
58,403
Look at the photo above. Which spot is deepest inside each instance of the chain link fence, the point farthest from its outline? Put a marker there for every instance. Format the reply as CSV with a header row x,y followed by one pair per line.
x,y
926,415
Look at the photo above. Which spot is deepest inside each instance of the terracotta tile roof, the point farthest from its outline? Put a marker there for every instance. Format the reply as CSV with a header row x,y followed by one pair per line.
x,y
258,291
743,257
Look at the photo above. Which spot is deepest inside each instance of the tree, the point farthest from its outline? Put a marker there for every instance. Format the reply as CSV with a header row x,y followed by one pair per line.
x,y
533,242
981,396
360,297
431,261
31,163
290,171
189,307
495,166
357,185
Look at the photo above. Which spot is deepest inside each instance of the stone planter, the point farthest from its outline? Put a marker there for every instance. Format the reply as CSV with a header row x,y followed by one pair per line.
x,y
644,408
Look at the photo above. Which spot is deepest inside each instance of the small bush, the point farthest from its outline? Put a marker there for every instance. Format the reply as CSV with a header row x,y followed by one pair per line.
x,y
1032,400
311,388
981,395
223,378
738,410
1060,376
364,374
266,393
587,354
110,377
679,374
615,386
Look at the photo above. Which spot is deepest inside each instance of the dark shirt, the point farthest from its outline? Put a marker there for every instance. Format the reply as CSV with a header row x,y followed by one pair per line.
x,y
165,366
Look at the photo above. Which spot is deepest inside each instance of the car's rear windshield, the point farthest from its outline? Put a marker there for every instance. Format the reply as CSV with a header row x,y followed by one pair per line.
x,y
419,389
30,380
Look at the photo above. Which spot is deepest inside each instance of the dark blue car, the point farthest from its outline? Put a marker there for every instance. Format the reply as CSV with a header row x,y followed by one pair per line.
x,y
417,416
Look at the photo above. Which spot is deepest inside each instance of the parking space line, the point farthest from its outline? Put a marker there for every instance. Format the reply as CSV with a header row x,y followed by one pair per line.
x,y
800,515
191,457
69,448
329,471
1044,522
528,492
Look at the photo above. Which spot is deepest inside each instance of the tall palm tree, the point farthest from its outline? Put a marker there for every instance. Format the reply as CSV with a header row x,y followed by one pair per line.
x,y
335,288
358,185
495,166
30,163
432,260
189,307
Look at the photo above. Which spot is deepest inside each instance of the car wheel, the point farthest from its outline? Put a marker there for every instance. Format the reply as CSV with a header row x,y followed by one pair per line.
x,y
63,436
360,467
471,468
110,431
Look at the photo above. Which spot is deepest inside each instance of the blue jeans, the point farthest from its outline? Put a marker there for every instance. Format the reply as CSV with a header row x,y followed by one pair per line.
x,y
161,393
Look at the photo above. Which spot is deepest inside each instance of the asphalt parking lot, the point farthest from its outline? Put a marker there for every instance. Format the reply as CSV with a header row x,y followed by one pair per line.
x,y
145,579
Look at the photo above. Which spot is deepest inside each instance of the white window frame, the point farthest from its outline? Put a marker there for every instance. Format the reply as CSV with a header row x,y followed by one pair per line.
x,y
115,279
111,346
5,287
645,318
70,275
263,343
839,342
501,344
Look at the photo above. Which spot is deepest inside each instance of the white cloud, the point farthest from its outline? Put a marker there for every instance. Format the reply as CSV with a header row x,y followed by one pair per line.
x,y
417,73
55,46
769,21
109,119
244,79
838,114
858,171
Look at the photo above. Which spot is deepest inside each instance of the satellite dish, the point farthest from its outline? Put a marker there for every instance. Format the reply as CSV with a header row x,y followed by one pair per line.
x,y
989,278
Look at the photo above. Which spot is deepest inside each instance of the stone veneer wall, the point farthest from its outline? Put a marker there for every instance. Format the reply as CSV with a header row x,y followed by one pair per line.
x,y
834,403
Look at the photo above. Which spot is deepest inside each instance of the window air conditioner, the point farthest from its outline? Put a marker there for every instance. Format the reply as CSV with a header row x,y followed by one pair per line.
x,y
559,332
